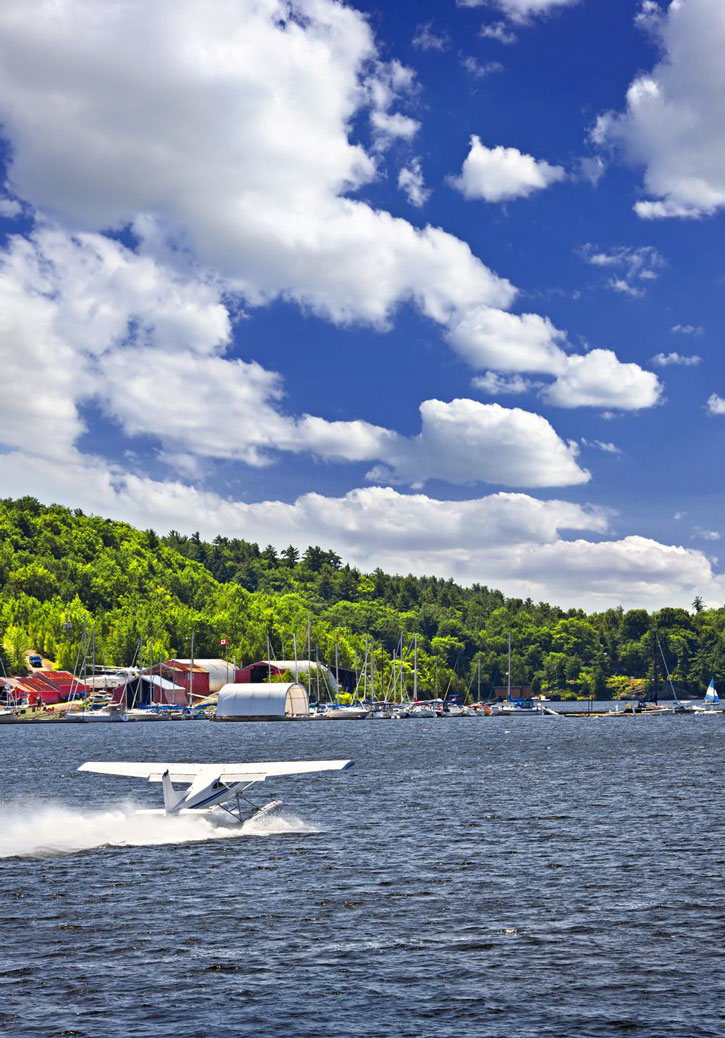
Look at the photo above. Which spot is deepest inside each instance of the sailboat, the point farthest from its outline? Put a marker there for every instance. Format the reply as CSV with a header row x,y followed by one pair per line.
x,y
511,706
680,706
84,712
712,700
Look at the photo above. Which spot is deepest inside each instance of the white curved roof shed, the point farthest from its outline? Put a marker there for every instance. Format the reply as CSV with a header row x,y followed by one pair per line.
x,y
275,701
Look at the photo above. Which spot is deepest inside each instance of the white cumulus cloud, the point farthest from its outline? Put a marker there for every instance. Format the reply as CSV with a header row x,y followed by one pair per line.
x,y
499,174
465,441
672,121
82,318
599,379
663,360
260,194
528,343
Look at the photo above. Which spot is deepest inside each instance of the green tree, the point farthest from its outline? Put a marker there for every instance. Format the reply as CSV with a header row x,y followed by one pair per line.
x,y
291,556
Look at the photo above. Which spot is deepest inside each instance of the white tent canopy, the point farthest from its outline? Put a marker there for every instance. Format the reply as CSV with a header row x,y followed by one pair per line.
x,y
262,702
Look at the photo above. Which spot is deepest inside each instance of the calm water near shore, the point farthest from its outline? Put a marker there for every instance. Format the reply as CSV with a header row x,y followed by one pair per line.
x,y
492,877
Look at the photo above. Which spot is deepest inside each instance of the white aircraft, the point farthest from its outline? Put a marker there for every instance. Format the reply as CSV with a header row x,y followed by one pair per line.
x,y
212,785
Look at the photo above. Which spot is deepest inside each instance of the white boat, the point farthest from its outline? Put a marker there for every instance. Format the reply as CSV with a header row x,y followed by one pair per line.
x,y
145,714
519,708
104,715
712,700
345,713
421,709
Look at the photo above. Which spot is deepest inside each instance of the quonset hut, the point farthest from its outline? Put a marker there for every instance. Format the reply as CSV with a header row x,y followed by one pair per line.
x,y
277,701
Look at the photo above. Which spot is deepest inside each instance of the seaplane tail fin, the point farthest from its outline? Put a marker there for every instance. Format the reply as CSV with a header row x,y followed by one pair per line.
x,y
172,797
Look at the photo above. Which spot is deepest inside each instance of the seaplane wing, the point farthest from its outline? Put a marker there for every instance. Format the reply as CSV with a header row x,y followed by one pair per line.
x,y
210,785
188,773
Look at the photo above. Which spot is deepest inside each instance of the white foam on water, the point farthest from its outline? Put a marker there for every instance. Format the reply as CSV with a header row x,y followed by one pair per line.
x,y
45,830
276,823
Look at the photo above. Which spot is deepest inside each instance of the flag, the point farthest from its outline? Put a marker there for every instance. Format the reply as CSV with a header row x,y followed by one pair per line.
x,y
222,641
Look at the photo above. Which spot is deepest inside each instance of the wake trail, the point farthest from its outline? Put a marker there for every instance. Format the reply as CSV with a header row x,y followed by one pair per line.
x,y
48,830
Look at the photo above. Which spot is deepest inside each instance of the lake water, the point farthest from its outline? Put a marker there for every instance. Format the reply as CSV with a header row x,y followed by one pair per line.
x,y
484,877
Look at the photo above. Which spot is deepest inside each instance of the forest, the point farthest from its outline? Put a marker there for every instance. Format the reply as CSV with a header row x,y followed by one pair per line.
x,y
60,568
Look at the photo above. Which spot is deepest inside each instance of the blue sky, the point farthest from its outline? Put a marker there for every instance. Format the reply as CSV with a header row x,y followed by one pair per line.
x,y
435,284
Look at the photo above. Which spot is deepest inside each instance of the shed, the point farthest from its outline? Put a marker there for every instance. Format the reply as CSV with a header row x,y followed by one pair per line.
x,y
221,672
263,702
153,690
179,673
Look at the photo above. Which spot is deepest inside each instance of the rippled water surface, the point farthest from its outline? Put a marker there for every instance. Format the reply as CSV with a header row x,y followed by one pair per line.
x,y
493,877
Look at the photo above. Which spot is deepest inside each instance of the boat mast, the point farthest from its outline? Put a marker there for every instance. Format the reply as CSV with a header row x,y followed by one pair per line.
x,y
191,670
365,670
509,671
337,675
372,671
294,646
85,659
415,667
667,670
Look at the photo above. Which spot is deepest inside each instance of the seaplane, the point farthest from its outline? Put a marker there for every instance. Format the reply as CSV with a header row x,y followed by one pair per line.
x,y
212,786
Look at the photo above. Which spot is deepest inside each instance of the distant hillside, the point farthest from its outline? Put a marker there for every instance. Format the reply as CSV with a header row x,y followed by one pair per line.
x,y
57,565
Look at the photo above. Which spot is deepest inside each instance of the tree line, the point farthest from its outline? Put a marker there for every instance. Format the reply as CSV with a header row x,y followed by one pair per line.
x,y
59,567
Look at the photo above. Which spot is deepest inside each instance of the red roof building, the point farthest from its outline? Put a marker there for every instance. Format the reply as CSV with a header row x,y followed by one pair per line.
x,y
49,687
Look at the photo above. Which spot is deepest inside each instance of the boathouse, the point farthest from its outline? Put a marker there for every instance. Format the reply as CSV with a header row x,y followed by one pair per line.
x,y
208,675
517,691
276,701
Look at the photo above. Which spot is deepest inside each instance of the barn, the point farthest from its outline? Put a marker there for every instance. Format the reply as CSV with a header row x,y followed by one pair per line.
x,y
279,701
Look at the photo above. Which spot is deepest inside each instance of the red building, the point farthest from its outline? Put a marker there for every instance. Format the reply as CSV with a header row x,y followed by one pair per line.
x,y
207,677
49,687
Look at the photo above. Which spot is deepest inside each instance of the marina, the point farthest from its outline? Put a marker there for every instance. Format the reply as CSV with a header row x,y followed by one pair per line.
x,y
211,689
